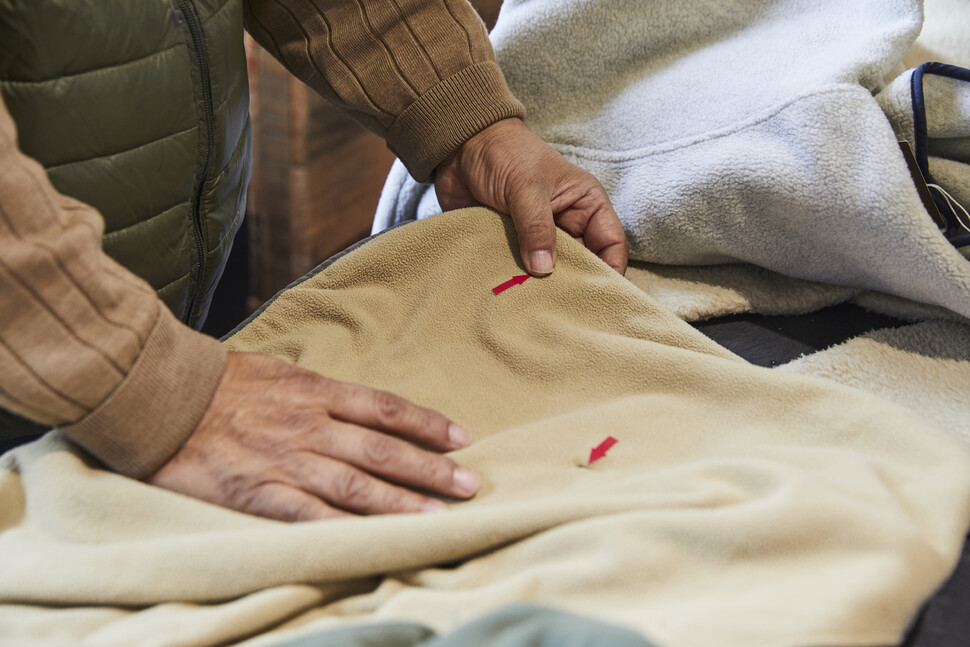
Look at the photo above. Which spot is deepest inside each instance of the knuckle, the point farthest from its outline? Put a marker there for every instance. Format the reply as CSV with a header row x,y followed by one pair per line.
x,y
597,192
389,407
333,391
379,449
537,229
292,420
255,499
298,510
350,487
310,383
239,488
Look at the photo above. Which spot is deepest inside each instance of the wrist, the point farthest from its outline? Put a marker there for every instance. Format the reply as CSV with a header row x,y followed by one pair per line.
x,y
475,145
158,404
436,125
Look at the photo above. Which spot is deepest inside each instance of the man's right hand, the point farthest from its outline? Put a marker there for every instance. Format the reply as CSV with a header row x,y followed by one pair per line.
x,y
283,442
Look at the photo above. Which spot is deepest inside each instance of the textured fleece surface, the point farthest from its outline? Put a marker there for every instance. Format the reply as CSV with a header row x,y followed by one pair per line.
x,y
762,138
741,506
925,366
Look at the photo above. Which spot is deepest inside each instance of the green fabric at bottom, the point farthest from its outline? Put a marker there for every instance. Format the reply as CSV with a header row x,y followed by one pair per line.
x,y
518,625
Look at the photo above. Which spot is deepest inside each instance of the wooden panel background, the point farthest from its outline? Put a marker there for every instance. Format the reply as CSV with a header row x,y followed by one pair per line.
x,y
317,174
316,179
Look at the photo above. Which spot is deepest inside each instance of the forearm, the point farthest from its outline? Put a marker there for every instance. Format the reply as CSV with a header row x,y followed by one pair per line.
x,y
419,73
85,345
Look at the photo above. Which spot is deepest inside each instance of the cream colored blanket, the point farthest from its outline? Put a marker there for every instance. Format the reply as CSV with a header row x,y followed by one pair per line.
x,y
741,506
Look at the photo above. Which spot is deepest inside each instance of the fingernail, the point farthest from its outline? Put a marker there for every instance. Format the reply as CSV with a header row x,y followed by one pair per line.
x,y
457,435
465,481
541,262
433,505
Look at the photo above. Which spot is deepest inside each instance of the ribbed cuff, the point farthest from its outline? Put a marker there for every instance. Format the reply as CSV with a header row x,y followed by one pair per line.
x,y
448,115
145,420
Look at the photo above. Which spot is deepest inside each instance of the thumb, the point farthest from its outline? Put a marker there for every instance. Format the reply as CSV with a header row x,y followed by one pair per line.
x,y
531,213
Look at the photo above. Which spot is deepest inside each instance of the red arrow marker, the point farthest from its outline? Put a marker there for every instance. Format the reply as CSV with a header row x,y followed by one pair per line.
x,y
518,280
600,450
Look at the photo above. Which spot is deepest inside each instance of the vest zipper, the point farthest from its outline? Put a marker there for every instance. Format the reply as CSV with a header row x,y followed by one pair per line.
x,y
191,16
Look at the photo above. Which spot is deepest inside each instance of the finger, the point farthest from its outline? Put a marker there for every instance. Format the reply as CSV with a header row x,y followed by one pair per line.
x,y
616,256
395,460
609,243
276,500
395,415
531,212
348,488
604,235
605,238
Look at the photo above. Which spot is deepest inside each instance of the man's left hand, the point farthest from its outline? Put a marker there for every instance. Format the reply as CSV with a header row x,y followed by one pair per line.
x,y
511,169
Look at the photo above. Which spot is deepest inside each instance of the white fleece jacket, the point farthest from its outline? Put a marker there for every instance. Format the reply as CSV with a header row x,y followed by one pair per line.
x,y
753,132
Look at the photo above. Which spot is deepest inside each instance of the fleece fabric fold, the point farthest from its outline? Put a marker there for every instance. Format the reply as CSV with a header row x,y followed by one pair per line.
x,y
741,506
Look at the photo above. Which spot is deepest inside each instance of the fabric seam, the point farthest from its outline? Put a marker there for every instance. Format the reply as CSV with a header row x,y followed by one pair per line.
x,y
634,154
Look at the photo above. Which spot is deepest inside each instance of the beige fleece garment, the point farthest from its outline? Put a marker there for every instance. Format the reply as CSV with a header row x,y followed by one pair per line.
x,y
740,507
924,366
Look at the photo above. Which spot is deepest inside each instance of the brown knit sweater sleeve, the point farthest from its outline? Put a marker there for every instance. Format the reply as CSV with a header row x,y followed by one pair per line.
x,y
85,345
419,73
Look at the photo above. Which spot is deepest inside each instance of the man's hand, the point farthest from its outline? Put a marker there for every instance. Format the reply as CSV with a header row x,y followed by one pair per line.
x,y
283,442
509,168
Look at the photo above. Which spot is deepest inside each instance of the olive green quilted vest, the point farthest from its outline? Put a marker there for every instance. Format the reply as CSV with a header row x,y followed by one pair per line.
x,y
139,108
